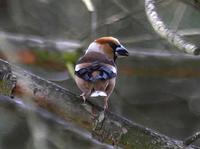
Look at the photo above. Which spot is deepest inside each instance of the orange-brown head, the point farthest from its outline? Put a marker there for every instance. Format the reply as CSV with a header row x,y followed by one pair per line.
x,y
109,46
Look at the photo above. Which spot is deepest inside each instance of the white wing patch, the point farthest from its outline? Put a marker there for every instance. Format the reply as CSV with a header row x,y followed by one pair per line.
x,y
77,68
114,69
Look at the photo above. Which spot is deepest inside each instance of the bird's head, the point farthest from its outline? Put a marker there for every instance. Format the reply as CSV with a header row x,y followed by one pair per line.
x,y
109,46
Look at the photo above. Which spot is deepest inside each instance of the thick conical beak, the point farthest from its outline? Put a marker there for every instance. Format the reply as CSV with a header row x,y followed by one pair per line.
x,y
121,51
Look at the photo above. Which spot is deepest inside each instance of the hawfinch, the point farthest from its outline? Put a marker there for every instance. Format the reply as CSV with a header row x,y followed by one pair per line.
x,y
96,71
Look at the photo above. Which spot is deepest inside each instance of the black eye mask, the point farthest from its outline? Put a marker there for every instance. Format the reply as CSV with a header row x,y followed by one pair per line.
x,y
114,47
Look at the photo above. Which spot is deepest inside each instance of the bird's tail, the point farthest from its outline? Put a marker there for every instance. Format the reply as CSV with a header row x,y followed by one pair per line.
x,y
98,93
99,85
96,76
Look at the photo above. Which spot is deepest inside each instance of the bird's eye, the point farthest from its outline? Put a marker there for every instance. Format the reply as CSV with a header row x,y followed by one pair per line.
x,y
113,45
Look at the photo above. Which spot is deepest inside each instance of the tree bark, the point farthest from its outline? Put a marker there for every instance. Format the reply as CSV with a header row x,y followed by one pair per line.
x,y
106,126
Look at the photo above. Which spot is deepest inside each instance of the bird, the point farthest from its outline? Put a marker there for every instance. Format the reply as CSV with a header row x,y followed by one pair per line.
x,y
96,70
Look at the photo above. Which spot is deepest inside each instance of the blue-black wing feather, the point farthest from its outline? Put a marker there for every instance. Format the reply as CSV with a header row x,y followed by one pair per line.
x,y
86,73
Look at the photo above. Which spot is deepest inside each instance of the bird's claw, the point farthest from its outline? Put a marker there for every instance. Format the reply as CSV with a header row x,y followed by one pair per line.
x,y
105,108
83,97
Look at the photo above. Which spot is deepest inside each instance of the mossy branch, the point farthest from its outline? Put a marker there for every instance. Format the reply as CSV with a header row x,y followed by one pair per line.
x,y
104,126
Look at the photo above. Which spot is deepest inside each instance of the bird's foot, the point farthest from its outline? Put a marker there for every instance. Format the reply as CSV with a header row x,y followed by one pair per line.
x,y
83,97
105,107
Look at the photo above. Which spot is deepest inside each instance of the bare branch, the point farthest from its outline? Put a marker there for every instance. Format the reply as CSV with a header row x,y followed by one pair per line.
x,y
104,126
192,138
171,36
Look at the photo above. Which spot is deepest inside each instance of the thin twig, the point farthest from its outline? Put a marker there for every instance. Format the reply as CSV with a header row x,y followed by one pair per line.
x,y
171,36
191,139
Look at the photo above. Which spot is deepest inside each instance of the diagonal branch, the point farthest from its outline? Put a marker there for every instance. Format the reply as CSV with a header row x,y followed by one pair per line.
x,y
171,36
106,127
192,138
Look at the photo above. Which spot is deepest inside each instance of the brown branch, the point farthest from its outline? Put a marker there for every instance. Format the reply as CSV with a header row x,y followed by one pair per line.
x,y
104,126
